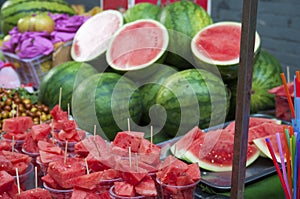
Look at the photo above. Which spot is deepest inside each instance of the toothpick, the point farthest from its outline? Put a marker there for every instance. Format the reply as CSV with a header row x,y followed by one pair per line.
x,y
95,131
59,99
128,124
151,136
36,177
97,148
66,151
18,181
288,74
17,113
87,166
13,109
129,154
52,131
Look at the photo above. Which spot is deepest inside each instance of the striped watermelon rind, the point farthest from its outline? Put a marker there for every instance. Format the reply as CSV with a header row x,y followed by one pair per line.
x,y
229,68
63,76
106,100
142,11
192,97
13,10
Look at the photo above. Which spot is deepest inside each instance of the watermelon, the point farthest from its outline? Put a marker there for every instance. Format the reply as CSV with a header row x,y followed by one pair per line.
x,y
34,193
266,75
183,19
215,151
92,38
66,76
146,187
17,125
142,11
123,189
6,181
13,10
218,45
149,87
109,101
137,45
262,146
192,97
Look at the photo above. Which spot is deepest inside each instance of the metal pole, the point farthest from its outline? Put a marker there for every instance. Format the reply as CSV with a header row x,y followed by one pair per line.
x,y
244,86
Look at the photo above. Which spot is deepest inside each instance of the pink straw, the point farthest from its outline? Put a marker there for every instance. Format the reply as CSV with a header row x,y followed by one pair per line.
x,y
269,145
282,162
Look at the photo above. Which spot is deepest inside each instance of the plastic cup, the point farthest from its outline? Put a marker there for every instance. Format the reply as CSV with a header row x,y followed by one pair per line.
x,y
166,191
105,185
24,176
32,155
17,143
113,195
59,193
41,166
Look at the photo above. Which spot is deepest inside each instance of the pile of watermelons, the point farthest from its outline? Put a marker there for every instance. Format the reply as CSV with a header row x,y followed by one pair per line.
x,y
164,87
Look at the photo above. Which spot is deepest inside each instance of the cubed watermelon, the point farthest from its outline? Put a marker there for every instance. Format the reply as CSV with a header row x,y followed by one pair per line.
x,y
146,187
124,189
49,147
40,131
17,124
34,193
50,182
83,194
126,139
30,144
6,181
63,173
87,181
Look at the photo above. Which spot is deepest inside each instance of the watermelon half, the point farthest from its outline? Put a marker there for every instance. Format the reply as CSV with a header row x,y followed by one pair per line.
x,y
92,38
218,45
137,45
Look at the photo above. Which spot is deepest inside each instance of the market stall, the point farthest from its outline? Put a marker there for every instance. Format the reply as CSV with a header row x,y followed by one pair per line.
x,y
153,101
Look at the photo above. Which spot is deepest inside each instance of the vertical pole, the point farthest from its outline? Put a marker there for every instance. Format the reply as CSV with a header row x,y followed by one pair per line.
x,y
244,86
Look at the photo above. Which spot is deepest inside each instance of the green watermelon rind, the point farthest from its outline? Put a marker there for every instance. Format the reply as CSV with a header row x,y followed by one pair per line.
x,y
142,11
150,62
191,158
260,143
228,69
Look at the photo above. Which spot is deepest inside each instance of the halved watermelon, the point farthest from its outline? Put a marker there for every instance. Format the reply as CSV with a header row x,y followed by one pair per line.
x,y
137,45
214,152
92,38
218,45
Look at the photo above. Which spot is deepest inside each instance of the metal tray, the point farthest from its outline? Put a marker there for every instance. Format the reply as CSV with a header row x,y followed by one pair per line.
x,y
221,181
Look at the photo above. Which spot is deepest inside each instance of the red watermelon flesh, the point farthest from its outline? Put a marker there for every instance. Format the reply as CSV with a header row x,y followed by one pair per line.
x,y
29,144
280,90
49,147
88,145
5,145
15,136
63,173
17,125
34,193
126,139
100,163
253,121
262,146
13,190
83,194
147,44
182,145
16,157
264,130
124,189
4,196
87,181
47,157
109,174
50,182
193,172
149,153
6,181
40,131
229,51
215,151
146,187
5,164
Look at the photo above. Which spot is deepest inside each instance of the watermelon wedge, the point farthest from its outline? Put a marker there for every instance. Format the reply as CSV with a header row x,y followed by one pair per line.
x,y
218,45
137,45
92,38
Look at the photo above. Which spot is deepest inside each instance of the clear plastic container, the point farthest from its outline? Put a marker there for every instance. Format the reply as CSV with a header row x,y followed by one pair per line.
x,y
59,193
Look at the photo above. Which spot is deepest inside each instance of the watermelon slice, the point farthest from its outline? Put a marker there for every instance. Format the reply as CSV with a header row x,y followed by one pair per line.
x,y
262,146
40,131
17,125
215,151
92,38
146,187
34,193
218,45
124,189
137,45
82,194
6,181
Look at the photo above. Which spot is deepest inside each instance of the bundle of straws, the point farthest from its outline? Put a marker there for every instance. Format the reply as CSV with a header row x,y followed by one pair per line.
x,y
289,150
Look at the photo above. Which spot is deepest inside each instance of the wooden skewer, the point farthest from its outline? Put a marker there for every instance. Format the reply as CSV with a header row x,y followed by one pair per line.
x,y
13,145
136,162
288,74
66,151
87,166
128,124
59,99
18,181
68,110
151,136
129,154
36,177
97,147
95,131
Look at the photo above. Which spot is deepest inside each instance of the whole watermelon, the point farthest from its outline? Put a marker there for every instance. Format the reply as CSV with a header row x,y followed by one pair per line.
x,y
66,76
183,19
142,11
192,97
266,75
13,10
106,100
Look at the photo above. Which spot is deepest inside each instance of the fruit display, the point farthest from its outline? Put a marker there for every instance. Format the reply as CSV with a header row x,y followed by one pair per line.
x,y
20,102
13,10
142,11
36,23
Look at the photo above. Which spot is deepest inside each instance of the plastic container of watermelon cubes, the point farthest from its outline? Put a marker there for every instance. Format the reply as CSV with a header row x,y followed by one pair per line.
x,y
24,177
59,193
166,191
113,195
